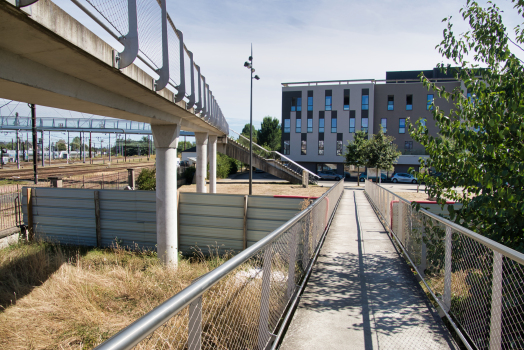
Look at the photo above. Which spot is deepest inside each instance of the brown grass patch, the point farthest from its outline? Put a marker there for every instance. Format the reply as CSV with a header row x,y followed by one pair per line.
x,y
265,189
54,297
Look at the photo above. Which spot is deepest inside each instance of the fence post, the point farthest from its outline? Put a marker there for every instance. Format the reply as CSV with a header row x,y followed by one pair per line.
x,y
447,270
245,222
291,268
495,329
30,223
400,226
131,178
194,340
97,220
263,322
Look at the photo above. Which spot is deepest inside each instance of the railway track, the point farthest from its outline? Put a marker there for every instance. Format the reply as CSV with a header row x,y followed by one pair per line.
x,y
65,170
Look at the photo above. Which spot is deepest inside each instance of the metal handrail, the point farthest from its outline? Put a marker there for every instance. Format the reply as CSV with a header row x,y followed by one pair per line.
x,y
369,81
147,324
502,249
280,154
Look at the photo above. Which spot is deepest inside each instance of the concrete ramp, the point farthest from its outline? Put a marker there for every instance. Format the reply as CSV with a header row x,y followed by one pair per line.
x,y
237,151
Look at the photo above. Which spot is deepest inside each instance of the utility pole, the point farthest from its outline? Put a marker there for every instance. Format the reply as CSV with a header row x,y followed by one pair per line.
x,y
125,148
90,154
17,150
43,155
68,149
35,142
49,134
109,147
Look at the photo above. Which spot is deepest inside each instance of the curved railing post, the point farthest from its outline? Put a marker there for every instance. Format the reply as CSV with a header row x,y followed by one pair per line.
x,y
182,87
199,103
130,40
191,97
163,72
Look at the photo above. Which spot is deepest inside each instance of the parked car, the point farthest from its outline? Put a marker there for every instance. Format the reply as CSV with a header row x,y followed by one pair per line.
x,y
329,175
363,176
403,177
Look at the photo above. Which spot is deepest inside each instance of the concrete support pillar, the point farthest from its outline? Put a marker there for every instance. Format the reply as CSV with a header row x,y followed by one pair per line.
x,y
212,155
166,142
201,165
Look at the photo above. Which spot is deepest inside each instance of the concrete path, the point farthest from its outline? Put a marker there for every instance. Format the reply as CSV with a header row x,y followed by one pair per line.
x,y
361,294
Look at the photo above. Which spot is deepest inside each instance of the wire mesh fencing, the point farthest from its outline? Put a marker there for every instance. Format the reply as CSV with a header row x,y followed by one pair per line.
x,y
477,283
240,304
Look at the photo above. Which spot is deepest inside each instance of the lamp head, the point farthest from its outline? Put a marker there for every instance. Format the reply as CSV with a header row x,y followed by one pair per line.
x,y
247,64
250,58
257,77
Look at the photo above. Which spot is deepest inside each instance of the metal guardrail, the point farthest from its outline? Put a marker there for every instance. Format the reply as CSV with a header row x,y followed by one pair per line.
x,y
478,283
365,81
239,304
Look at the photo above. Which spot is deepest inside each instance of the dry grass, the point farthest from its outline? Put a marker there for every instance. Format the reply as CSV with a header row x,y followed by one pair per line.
x,y
413,196
54,297
265,189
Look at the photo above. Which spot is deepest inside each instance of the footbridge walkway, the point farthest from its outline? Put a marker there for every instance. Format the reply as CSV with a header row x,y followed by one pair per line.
x,y
346,273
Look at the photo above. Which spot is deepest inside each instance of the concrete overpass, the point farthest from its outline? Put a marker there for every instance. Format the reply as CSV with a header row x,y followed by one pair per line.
x,y
50,59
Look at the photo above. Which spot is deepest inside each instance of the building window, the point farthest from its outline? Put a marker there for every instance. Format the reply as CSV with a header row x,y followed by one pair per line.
x,y
365,102
328,102
339,148
303,148
298,125
286,147
351,121
296,104
321,147
402,126
408,145
429,102
333,124
346,99
384,124
423,122
310,125
287,125
321,124
409,102
391,102
364,126
310,103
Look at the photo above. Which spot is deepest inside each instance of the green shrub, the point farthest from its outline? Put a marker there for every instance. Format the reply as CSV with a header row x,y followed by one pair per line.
x,y
146,180
223,166
189,173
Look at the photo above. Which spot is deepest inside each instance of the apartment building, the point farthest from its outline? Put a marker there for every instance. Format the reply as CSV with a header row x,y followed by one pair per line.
x,y
319,118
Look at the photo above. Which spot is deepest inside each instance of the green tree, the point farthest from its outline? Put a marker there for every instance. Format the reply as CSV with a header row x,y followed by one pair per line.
x,y
356,152
245,133
270,134
146,180
481,153
61,145
381,152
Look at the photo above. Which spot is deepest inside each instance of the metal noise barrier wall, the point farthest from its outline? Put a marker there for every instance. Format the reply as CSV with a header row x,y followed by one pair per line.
x,y
240,304
71,216
478,283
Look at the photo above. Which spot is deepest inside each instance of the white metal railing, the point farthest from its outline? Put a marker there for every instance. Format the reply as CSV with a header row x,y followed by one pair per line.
x,y
240,304
287,163
477,282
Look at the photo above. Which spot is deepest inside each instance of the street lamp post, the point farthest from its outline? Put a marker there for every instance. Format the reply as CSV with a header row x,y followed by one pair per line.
x,y
249,64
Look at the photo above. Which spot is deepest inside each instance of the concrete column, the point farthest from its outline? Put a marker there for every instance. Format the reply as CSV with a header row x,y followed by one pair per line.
x,y
212,155
166,142
201,165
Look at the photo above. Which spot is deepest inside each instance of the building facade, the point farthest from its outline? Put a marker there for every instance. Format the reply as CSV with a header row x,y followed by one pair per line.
x,y
319,118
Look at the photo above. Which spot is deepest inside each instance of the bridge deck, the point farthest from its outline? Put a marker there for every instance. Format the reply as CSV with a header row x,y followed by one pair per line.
x,y
361,294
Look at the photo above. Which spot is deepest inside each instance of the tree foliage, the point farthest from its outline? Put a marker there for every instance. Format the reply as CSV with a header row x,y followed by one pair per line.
x,y
481,151
270,134
356,151
381,152
146,180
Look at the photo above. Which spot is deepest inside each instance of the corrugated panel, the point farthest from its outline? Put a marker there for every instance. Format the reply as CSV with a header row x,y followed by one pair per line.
x,y
129,217
64,221
211,232
65,202
64,193
119,195
63,212
127,226
229,200
195,220
274,203
212,210
270,214
139,206
264,225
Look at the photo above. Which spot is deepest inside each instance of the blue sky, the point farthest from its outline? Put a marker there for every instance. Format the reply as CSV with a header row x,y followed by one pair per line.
x,y
301,41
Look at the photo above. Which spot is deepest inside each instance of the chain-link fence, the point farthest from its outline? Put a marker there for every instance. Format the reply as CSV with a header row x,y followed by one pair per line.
x,y
478,283
240,304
